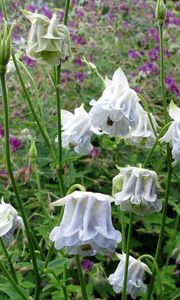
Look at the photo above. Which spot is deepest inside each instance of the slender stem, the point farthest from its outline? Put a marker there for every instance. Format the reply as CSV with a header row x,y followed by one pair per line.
x,y
13,282
169,162
123,230
58,102
127,257
3,7
40,198
9,260
75,187
163,90
15,187
156,268
66,11
81,278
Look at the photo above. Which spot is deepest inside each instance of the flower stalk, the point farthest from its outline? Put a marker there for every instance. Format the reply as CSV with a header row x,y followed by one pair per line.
x,y
81,278
127,257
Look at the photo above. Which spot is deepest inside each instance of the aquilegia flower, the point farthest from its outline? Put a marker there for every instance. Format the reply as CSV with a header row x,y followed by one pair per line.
x,y
77,130
114,112
143,134
48,41
135,190
173,133
136,272
9,220
86,227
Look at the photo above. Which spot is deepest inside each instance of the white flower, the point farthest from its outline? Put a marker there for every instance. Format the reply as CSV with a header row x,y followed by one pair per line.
x,y
76,130
9,220
86,227
48,41
114,112
173,133
135,190
142,134
136,272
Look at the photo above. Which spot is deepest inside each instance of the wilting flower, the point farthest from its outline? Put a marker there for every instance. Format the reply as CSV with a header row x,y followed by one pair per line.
x,y
76,130
136,272
9,220
48,41
173,133
135,190
142,134
114,112
86,227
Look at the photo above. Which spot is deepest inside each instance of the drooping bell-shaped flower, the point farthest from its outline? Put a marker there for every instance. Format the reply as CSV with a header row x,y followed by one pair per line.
x,y
77,130
114,112
142,135
136,273
86,227
9,220
135,190
48,41
173,133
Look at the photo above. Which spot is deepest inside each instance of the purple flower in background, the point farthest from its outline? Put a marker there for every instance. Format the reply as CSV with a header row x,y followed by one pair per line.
x,y
153,34
167,53
78,61
171,86
152,54
86,264
133,54
95,152
1,131
15,143
79,76
31,8
77,38
61,14
73,2
149,68
79,13
109,17
46,11
66,76
29,61
1,17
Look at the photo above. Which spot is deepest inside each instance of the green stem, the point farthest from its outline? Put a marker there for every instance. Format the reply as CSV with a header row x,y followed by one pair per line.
x,y
169,162
127,257
40,198
81,278
75,187
3,7
123,230
66,11
9,260
58,102
13,282
163,90
156,268
15,187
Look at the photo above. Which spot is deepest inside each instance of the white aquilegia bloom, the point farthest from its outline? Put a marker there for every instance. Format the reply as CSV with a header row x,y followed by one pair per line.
x,y
9,220
135,190
173,133
48,41
136,272
77,130
86,227
142,135
114,113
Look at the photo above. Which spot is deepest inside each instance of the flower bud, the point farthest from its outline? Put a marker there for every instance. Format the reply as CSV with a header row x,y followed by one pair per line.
x,y
160,12
32,152
5,46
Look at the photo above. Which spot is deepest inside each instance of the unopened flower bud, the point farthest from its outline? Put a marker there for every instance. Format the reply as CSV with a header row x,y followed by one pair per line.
x,y
5,46
160,11
32,152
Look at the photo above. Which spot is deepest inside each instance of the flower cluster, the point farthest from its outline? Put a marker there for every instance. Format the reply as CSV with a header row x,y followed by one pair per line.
x,y
48,41
10,221
134,190
86,227
173,133
136,272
